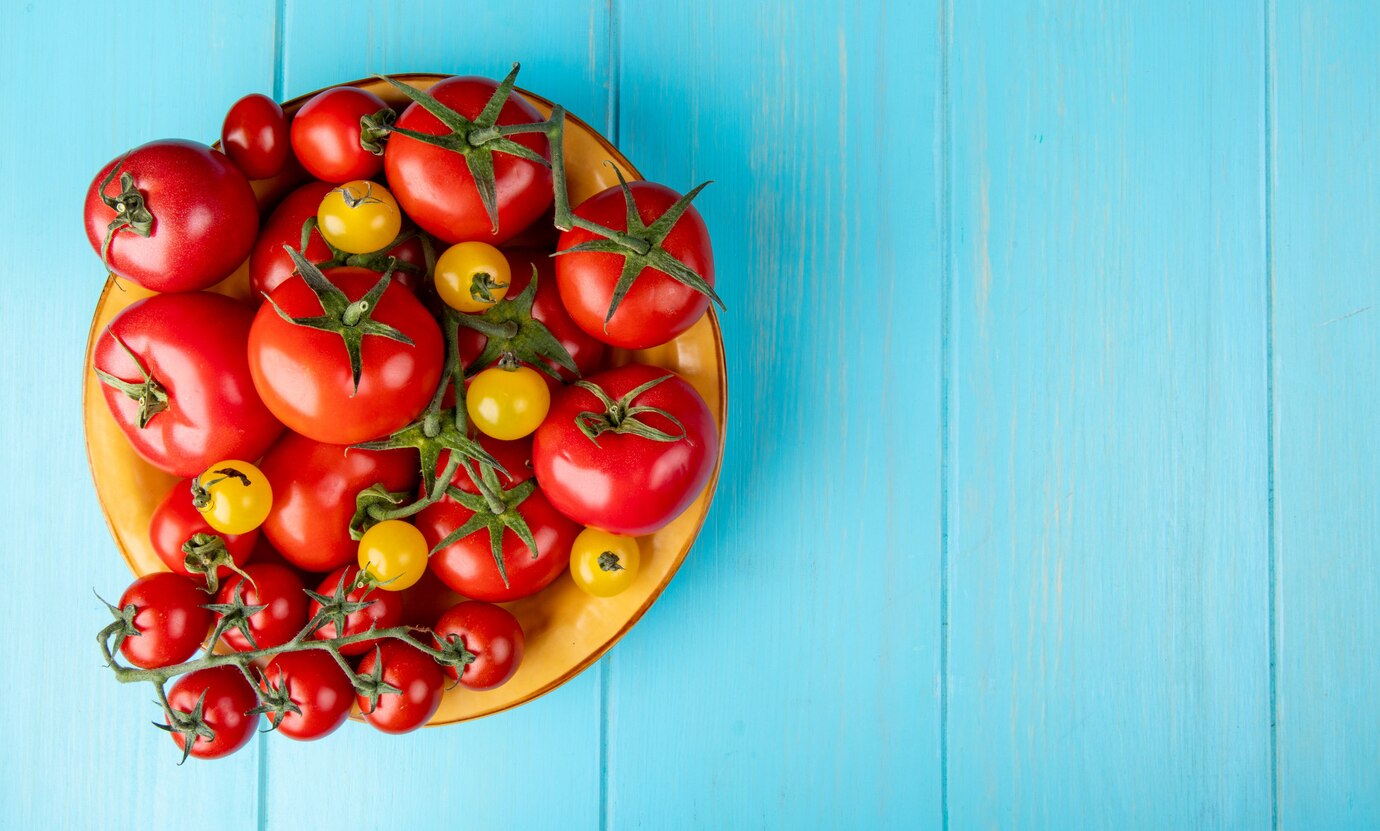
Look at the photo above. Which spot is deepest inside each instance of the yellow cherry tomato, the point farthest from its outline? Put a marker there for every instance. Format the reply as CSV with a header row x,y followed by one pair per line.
x,y
507,404
359,217
234,497
472,276
394,553
604,564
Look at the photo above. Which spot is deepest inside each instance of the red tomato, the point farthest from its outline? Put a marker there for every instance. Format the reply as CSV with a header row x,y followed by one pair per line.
x,y
176,520
625,483
384,611
280,592
318,686
227,700
326,135
586,351
514,456
657,307
304,373
270,265
467,566
314,488
192,216
411,671
434,185
255,136
170,620
492,634
193,347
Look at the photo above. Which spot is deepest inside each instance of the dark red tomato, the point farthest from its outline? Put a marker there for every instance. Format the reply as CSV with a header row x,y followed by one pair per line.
x,y
319,688
657,307
492,634
193,347
434,186
326,135
270,265
625,483
467,566
304,373
541,235
314,489
228,698
255,136
415,674
384,611
586,351
280,591
176,520
201,216
170,620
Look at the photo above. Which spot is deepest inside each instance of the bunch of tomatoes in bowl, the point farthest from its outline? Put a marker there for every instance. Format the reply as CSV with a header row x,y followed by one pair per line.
x,y
389,386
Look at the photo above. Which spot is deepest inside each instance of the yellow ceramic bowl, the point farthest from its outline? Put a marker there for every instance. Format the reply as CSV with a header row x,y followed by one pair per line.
x,y
566,629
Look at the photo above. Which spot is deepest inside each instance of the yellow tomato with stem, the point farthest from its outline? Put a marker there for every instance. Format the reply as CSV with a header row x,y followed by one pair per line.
x,y
472,276
604,564
394,553
234,497
359,217
507,402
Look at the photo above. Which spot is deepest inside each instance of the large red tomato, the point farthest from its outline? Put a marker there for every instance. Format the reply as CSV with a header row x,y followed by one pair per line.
x,y
657,307
178,384
314,488
326,135
598,464
178,216
177,522
435,186
585,350
270,263
304,373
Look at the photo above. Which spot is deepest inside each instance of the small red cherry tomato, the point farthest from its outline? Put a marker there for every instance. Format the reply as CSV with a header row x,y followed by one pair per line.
x,y
169,617
491,634
255,136
326,135
385,610
319,688
280,592
226,699
409,670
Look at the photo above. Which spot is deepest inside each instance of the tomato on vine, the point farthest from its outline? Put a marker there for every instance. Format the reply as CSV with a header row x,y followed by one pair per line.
x,y
472,276
211,712
492,641
359,217
394,553
507,402
377,610
310,695
169,622
265,608
233,496
604,564
403,686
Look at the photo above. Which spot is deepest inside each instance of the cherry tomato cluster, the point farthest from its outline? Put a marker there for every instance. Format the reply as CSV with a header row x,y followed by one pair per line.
x,y
428,376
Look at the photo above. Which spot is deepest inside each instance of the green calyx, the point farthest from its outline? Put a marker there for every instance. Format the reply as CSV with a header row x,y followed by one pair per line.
x,y
131,214
191,726
495,510
608,561
372,687
640,246
205,554
151,395
510,329
477,140
623,416
482,285
339,315
445,437
234,615
374,130
275,701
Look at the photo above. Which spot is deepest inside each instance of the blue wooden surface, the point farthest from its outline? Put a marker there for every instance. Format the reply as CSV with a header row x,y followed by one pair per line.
x,y
1051,494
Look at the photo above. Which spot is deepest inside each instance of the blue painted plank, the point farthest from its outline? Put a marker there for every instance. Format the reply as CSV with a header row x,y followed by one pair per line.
x,y
1108,495
789,676
1326,212
483,774
79,751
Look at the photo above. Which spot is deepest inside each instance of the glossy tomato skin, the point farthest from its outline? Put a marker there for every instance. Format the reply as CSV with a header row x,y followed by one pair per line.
x,y
304,374
467,565
280,591
434,185
194,346
255,136
492,634
415,674
325,135
656,308
205,217
228,700
177,520
626,484
170,619
314,489
384,612
318,686
585,350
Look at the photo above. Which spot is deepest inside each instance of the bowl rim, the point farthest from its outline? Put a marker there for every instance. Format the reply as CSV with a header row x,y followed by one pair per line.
x,y
721,414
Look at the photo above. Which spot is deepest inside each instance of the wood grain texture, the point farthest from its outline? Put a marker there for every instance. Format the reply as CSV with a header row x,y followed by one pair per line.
x,y
1108,539
789,675
1326,211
